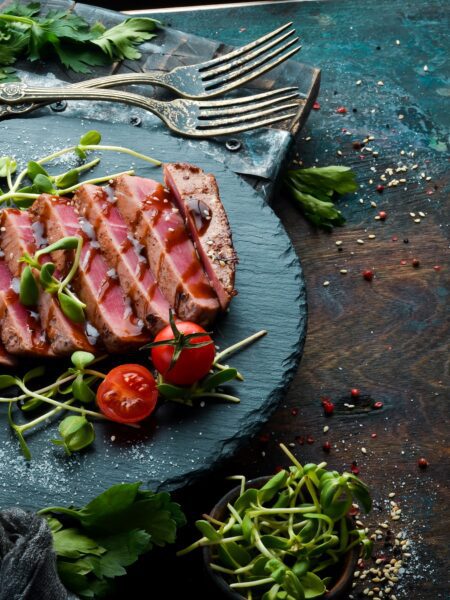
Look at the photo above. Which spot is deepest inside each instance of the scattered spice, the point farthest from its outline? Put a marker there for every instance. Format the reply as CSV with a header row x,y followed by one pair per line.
x,y
326,446
341,110
378,404
355,393
380,188
415,263
382,214
423,463
316,106
368,275
328,406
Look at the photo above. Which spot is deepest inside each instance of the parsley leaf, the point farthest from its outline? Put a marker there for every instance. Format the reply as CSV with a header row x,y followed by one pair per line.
x,y
63,34
119,41
96,543
316,188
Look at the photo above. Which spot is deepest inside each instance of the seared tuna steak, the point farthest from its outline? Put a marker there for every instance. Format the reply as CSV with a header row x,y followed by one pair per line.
x,y
156,222
197,197
107,307
21,235
124,254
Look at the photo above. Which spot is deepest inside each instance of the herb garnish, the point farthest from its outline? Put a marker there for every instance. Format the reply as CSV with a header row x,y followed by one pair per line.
x,y
316,189
68,37
71,306
278,541
40,181
96,543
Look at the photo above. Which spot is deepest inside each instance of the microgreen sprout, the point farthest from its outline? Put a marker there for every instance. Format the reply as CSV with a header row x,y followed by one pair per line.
x,y
209,386
41,181
281,540
71,306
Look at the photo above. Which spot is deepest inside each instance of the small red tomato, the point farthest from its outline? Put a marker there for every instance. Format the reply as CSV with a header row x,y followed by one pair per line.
x,y
128,394
192,363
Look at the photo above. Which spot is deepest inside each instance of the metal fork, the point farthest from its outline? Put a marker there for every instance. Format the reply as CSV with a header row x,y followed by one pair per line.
x,y
190,118
210,78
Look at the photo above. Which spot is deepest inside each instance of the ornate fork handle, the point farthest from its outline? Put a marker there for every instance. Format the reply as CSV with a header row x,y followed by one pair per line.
x,y
18,94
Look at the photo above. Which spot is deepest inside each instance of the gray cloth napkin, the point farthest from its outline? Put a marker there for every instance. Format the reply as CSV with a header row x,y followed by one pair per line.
x,y
27,560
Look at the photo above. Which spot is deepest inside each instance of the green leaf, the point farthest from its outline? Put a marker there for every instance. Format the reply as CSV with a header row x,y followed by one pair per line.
x,y
28,288
23,10
172,392
34,169
7,381
273,486
46,278
90,138
71,308
333,178
277,542
43,184
34,374
208,531
70,543
123,549
8,166
105,509
313,585
54,524
81,390
248,498
67,180
217,379
119,42
76,433
82,359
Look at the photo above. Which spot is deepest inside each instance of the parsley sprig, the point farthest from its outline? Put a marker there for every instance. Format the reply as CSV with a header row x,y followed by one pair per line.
x,y
317,188
26,33
96,543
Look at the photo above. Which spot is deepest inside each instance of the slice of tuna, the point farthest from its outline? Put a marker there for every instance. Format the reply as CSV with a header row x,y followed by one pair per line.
x,y
96,283
6,360
197,197
21,331
157,224
124,254
23,235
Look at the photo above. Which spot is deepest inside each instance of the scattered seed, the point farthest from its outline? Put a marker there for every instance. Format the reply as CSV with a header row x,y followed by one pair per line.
x,y
416,220
363,450
326,283
343,271
359,241
423,463
338,242
359,82
380,83
373,204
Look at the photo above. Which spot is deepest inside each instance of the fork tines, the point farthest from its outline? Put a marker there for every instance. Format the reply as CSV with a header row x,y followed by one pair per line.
x,y
250,61
247,112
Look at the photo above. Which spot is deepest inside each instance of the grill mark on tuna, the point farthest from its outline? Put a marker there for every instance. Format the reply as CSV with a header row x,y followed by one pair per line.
x,y
63,336
105,301
121,251
198,200
149,211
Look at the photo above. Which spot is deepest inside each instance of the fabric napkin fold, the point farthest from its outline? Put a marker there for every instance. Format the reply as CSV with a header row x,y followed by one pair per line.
x,y
27,560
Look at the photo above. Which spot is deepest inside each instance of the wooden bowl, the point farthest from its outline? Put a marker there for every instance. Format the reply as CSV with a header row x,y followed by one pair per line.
x,y
343,578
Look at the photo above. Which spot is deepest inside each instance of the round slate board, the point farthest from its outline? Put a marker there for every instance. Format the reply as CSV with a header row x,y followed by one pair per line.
x,y
178,443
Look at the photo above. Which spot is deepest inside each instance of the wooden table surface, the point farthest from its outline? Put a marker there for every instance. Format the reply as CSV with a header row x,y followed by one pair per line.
x,y
385,62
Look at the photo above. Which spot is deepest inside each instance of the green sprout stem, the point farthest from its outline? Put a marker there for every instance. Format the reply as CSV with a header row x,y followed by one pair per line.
x,y
76,262
239,345
122,150
246,584
102,179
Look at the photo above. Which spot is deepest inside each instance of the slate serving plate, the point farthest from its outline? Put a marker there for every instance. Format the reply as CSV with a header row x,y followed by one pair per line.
x,y
178,443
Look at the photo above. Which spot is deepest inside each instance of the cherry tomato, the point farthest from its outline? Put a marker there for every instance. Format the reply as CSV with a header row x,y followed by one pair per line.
x,y
193,363
128,394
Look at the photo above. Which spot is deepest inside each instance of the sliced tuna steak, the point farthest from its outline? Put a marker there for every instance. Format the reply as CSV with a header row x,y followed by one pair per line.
x,y
21,331
123,253
96,283
6,360
197,197
22,235
150,213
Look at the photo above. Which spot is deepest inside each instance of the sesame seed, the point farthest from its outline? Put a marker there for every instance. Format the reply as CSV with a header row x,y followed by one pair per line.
x,y
339,153
359,241
372,236
363,450
416,220
395,518
421,214
373,204
326,428
380,83
308,139
425,68
392,494
411,214
326,283
343,271
359,82
401,117
338,242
